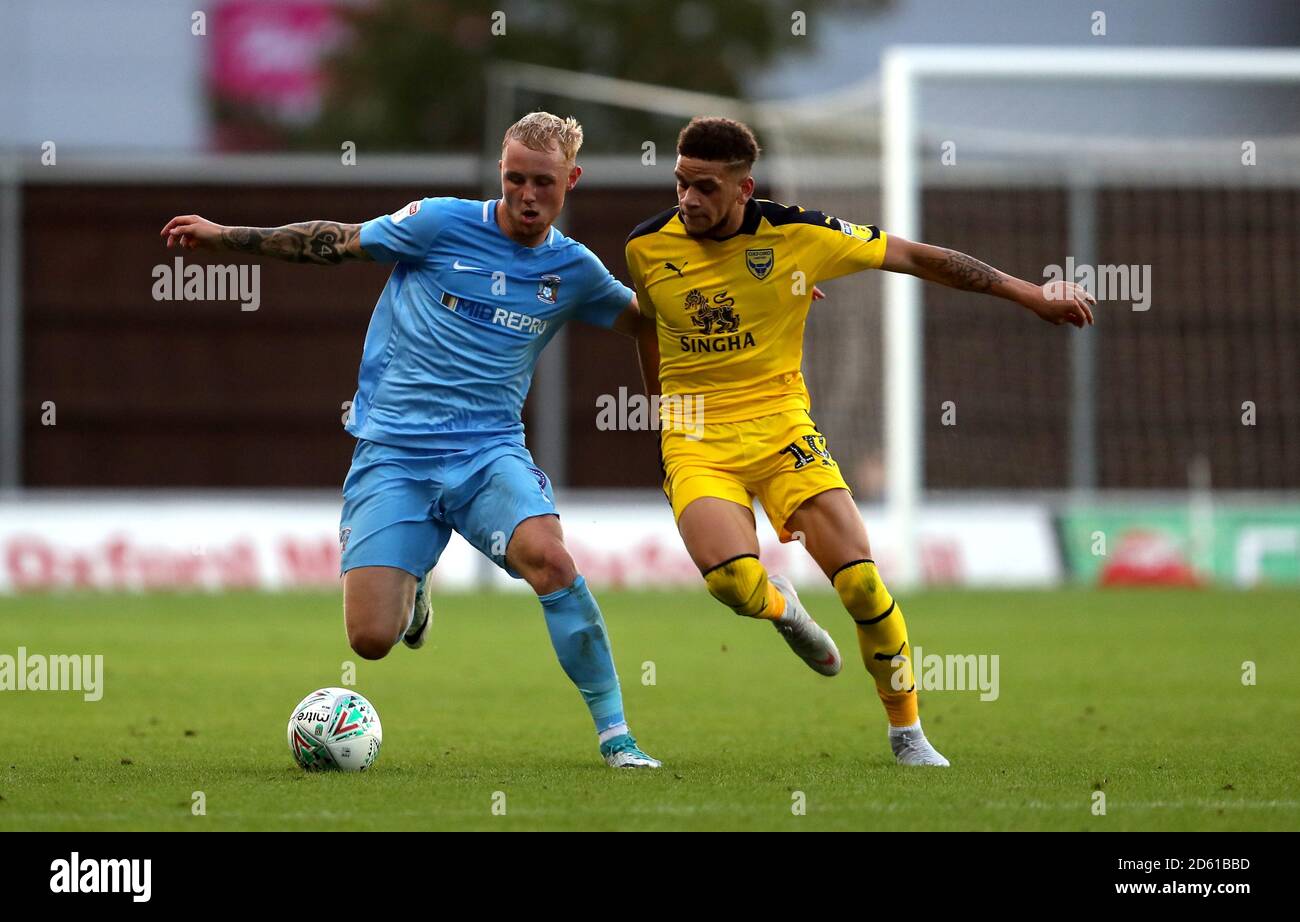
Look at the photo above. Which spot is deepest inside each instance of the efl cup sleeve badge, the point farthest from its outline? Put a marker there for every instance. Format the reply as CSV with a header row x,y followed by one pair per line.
x,y
759,262
864,232
548,289
405,212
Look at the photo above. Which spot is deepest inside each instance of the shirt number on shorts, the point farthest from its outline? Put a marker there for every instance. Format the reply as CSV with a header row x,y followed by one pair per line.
x,y
803,456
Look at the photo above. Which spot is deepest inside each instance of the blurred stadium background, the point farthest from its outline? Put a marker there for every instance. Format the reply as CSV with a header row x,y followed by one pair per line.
x,y
150,444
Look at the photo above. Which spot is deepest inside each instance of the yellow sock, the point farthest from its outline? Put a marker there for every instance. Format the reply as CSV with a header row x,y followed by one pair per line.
x,y
742,585
882,638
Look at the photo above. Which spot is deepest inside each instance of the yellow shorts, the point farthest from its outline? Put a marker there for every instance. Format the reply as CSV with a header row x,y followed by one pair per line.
x,y
782,459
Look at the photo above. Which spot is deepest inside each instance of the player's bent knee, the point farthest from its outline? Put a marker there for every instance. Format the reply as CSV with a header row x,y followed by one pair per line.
x,y
740,584
368,641
548,567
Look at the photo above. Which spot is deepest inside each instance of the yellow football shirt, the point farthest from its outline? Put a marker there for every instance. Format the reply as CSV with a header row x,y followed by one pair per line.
x,y
730,313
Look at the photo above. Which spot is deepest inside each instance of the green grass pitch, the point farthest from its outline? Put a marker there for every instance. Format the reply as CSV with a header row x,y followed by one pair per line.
x,y
1138,694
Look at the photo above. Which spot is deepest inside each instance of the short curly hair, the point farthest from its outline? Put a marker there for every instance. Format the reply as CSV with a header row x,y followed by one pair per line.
x,y
539,130
721,139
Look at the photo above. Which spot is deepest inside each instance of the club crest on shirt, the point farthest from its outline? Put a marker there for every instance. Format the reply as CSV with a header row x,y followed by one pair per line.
x,y
759,262
548,289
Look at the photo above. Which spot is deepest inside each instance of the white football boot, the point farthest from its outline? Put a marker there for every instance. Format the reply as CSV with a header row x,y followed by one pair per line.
x,y
912,748
805,636
418,632
623,752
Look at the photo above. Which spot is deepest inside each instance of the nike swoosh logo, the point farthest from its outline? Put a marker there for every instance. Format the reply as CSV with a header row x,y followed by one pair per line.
x,y
460,268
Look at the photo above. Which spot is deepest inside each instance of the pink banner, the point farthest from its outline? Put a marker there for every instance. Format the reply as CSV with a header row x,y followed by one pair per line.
x,y
268,53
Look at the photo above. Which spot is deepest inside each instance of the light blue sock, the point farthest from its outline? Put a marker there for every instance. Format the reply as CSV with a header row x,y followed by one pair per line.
x,y
582,647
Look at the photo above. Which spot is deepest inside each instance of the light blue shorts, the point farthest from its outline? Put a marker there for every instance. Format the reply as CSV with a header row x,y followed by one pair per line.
x,y
400,505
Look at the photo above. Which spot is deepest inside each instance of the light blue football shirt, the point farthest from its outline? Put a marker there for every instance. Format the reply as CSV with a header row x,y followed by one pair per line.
x,y
457,330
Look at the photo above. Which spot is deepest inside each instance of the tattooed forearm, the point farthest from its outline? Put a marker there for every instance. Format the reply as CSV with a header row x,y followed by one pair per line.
x,y
321,242
957,270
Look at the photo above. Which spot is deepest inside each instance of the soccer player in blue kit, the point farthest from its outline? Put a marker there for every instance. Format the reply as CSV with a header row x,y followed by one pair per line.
x,y
478,290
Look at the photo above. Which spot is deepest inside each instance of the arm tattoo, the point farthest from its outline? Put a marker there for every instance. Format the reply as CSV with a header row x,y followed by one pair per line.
x,y
957,270
322,242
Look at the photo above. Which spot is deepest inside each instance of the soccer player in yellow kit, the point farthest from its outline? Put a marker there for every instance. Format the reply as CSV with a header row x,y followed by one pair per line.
x,y
728,280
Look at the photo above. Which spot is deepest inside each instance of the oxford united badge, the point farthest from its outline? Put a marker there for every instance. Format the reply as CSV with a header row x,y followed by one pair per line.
x,y
759,262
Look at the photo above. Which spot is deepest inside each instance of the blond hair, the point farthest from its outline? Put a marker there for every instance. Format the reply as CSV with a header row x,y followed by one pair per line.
x,y
539,130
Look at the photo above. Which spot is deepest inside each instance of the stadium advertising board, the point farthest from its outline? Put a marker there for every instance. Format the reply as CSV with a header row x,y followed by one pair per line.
x,y
217,544
1231,545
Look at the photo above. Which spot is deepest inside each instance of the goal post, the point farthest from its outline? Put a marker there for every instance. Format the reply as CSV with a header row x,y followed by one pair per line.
x,y
904,70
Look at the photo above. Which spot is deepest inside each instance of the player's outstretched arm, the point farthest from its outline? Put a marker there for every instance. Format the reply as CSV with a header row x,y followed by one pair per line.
x,y
1055,302
325,243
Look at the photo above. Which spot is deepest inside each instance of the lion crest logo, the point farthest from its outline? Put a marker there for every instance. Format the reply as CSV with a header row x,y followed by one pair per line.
x,y
716,316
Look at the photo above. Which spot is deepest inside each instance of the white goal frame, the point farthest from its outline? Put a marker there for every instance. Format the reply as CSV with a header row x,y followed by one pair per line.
x,y
904,69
